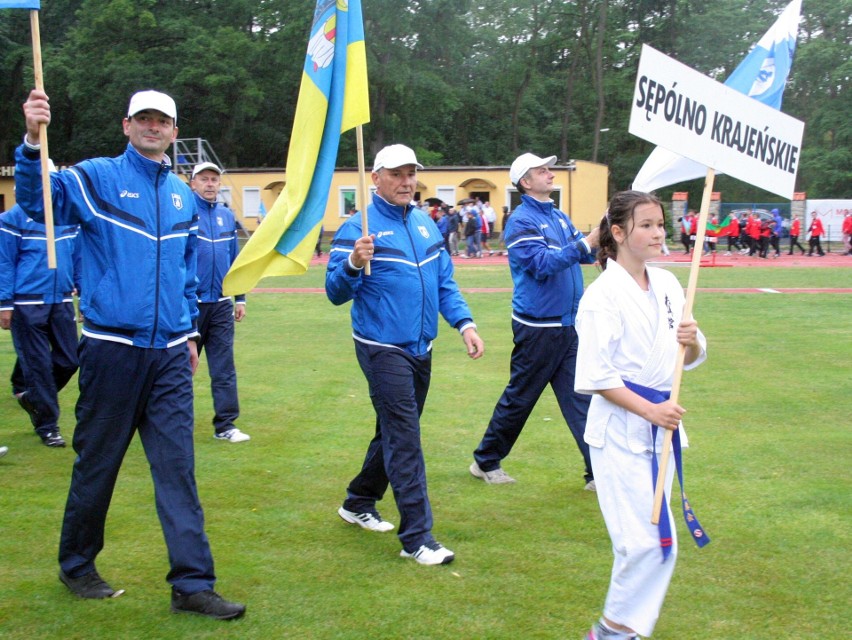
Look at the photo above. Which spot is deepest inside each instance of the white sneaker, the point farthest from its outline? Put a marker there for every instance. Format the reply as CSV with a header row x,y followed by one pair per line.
x,y
232,435
497,476
590,486
432,553
3,451
369,521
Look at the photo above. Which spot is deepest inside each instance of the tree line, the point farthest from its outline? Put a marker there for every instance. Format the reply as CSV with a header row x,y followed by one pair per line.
x,y
463,82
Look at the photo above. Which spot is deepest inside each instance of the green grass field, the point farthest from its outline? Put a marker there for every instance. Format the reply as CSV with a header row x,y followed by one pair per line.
x,y
767,473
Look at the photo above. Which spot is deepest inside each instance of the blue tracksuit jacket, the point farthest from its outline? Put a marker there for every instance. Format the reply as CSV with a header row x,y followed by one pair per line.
x,y
139,232
545,253
217,248
24,276
411,280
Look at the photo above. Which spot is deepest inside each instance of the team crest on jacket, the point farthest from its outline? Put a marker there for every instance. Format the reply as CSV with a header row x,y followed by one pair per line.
x,y
219,221
563,223
176,200
423,231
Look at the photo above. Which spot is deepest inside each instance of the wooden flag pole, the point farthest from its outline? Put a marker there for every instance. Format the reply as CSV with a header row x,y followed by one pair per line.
x,y
681,352
362,186
42,134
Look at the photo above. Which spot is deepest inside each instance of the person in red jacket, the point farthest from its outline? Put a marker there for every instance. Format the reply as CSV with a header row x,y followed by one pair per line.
x,y
815,230
847,232
753,233
795,231
733,233
765,235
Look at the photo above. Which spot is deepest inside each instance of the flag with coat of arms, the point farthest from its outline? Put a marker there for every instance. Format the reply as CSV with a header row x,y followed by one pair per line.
x,y
761,75
333,98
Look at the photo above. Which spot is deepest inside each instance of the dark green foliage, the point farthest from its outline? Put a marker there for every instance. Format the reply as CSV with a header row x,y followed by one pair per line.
x,y
464,83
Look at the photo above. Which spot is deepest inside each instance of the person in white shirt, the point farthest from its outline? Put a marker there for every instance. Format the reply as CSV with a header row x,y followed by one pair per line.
x,y
630,328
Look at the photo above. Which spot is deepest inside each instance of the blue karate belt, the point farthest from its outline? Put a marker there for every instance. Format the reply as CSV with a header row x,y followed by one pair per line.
x,y
695,530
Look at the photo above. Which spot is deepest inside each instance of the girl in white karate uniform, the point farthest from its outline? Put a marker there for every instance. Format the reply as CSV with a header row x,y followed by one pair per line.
x,y
630,325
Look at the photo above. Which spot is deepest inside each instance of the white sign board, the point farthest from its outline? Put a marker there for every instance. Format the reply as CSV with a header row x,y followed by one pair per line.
x,y
686,112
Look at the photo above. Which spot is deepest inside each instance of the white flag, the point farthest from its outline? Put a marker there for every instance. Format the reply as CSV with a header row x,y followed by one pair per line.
x,y
762,75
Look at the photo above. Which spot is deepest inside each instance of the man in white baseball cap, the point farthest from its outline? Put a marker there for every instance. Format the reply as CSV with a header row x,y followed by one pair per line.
x,y
217,249
150,99
394,321
545,254
526,161
207,166
139,222
395,156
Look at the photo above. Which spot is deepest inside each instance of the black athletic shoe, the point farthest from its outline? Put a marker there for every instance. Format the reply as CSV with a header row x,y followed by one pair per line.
x,y
53,439
90,586
207,603
27,406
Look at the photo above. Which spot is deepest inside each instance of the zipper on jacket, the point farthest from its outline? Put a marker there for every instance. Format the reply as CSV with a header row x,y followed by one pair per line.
x,y
211,229
159,251
405,211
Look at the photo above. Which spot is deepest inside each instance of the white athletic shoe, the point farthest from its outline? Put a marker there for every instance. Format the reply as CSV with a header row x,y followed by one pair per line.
x,y
590,486
367,520
430,554
496,476
232,435
3,451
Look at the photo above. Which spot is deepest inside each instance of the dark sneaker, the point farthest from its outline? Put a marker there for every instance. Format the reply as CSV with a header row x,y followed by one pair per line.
x,y
206,603
28,406
90,586
53,439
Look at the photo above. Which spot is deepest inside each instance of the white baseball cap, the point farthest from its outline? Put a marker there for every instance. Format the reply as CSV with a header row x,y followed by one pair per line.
x,y
395,155
527,161
204,166
150,99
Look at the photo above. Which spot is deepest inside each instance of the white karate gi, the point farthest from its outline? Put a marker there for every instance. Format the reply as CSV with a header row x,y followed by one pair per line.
x,y
629,334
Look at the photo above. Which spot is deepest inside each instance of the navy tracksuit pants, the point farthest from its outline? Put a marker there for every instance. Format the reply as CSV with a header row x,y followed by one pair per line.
x,y
45,339
216,326
399,383
541,356
124,389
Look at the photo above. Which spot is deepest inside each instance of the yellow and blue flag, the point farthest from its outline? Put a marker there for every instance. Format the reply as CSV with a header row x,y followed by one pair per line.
x,y
333,98
20,4
761,75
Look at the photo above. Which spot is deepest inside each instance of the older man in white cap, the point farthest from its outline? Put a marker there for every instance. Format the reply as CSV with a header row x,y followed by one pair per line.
x,y
217,249
545,254
139,226
394,321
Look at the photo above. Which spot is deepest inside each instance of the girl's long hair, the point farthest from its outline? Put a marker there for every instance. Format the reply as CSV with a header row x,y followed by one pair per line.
x,y
620,212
